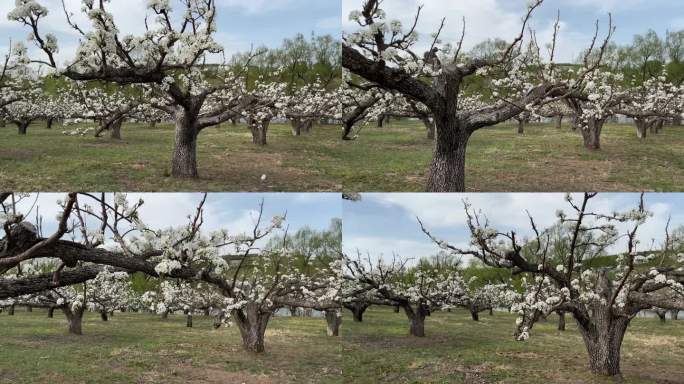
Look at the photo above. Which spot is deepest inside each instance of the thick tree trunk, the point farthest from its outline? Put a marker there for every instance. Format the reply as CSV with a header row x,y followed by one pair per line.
x,y
333,318
641,127
51,312
22,127
104,316
416,319
429,127
559,121
29,308
603,340
48,123
348,128
661,315
10,311
115,130
357,311
591,133
164,315
474,313
259,130
188,320
675,314
521,127
252,324
447,170
491,311
75,319
561,320
153,124
184,160
296,124
396,309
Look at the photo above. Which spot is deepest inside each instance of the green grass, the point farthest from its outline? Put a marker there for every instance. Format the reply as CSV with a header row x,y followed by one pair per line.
x,y
138,348
393,158
142,349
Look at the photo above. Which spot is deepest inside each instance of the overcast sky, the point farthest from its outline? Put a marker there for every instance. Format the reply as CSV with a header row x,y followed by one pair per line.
x,y
502,18
240,23
235,212
383,223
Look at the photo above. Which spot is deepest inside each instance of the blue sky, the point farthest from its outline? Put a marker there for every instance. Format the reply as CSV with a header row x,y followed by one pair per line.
x,y
240,23
501,18
383,223
232,211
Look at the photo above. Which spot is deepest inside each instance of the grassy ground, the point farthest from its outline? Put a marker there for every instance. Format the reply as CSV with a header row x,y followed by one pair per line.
x,y
393,158
136,348
142,349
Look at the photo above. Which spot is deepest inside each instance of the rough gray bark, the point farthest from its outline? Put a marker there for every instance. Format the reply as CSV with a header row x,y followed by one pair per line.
x,y
429,127
333,321
416,319
641,126
675,314
252,323
591,133
447,170
603,342
115,129
662,313
75,319
184,158
259,130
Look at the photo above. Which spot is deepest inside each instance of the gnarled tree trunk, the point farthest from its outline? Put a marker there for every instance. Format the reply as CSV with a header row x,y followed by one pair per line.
x,y
641,126
474,312
447,170
357,309
259,130
75,319
591,133
184,160
675,314
115,129
662,313
104,316
252,323
603,342
333,318
22,127
48,123
416,319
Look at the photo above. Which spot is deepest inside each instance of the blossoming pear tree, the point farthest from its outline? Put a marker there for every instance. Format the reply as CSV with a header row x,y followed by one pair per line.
x,y
170,58
418,293
603,299
381,52
254,281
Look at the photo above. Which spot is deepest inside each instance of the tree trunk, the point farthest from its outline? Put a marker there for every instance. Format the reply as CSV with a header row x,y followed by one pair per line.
x,y
561,320
115,130
164,316
184,160
521,127
49,122
252,324
296,124
347,130
188,320
153,124
104,316
675,314
22,127
591,133
661,314
259,130
474,313
51,312
416,319
334,319
447,170
603,339
677,121
357,311
29,308
641,126
559,121
381,121
10,311
396,309
429,127
75,319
